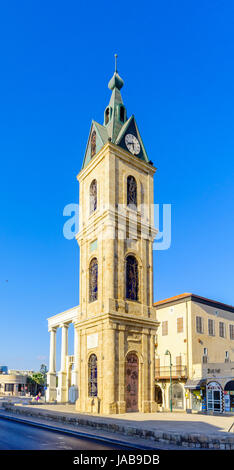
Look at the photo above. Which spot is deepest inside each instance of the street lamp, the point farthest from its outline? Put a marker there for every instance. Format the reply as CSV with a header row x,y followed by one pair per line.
x,y
167,353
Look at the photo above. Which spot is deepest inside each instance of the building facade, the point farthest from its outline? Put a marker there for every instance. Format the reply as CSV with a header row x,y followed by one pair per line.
x,y
198,336
113,365
27,372
13,384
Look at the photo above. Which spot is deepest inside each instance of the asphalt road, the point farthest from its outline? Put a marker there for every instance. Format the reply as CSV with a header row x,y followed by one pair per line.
x,y
20,436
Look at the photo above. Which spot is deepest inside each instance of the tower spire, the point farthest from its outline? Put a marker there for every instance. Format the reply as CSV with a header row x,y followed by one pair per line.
x,y
116,63
116,125
116,81
115,113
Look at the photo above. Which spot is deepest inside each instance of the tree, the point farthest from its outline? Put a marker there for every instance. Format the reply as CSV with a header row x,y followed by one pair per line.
x,y
43,371
31,384
37,381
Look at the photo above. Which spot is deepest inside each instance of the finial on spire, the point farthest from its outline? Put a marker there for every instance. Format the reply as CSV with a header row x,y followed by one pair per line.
x,y
116,81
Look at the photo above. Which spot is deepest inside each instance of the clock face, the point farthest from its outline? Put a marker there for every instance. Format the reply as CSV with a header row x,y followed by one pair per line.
x,y
132,144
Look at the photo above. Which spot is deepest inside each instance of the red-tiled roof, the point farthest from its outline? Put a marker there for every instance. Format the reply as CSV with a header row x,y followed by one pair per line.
x,y
194,297
171,299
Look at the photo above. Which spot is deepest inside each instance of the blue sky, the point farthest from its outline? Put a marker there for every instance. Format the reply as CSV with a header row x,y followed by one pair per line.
x,y
176,58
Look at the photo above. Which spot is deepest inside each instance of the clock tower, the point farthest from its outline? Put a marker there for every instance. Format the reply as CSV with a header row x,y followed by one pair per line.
x,y
116,325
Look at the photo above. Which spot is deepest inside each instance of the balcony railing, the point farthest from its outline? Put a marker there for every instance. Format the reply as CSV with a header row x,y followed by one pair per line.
x,y
176,372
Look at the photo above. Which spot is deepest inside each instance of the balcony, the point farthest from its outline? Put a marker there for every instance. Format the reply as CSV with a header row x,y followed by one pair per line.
x,y
177,372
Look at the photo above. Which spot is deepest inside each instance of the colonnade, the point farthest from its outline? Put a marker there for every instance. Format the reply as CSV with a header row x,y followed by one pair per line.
x,y
58,383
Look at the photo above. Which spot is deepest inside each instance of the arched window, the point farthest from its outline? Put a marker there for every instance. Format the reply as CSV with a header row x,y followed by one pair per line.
x,y
107,115
158,394
93,143
131,192
131,382
121,114
229,386
92,376
214,396
93,280
131,278
93,196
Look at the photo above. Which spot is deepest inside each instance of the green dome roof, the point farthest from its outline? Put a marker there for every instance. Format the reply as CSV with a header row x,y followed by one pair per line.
x,y
115,82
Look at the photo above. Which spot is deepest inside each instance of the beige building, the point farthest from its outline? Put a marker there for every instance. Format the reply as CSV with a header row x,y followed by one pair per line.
x,y
27,372
13,384
198,336
112,369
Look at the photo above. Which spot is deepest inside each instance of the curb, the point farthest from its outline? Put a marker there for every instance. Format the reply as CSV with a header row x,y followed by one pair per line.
x,y
78,434
196,440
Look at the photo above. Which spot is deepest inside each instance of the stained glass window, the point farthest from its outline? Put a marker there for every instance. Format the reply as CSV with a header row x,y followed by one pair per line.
x,y
131,381
131,278
131,192
93,196
93,280
92,376
93,143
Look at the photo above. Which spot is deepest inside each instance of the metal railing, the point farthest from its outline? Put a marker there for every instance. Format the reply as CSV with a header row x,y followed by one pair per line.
x,y
176,371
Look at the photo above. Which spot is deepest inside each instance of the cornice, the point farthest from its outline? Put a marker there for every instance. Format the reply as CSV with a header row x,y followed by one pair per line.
x,y
109,147
113,216
127,319
66,317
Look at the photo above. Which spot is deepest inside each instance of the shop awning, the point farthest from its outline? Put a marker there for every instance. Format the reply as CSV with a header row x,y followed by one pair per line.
x,y
195,384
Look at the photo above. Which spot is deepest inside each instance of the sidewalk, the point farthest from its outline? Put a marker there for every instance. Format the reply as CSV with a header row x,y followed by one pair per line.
x,y
187,430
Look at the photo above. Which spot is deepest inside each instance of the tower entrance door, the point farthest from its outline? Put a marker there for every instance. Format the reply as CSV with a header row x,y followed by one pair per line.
x,y
131,382
214,397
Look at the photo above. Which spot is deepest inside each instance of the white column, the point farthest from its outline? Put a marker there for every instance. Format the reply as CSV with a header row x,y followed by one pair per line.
x,y
75,370
64,347
51,394
62,391
52,368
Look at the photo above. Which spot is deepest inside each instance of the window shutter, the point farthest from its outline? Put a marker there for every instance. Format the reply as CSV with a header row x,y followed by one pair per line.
x,y
180,327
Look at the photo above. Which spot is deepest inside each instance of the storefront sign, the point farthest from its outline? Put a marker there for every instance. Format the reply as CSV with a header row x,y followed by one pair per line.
x,y
213,371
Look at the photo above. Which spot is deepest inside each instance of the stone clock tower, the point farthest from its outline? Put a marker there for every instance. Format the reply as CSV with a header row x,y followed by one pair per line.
x,y
116,323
